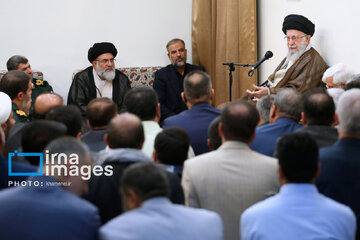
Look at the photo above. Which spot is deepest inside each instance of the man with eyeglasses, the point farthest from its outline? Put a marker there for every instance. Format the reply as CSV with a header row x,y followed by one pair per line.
x,y
303,67
168,82
99,80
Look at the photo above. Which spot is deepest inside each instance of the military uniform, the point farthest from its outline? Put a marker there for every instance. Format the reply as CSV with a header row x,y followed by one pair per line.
x,y
19,115
40,86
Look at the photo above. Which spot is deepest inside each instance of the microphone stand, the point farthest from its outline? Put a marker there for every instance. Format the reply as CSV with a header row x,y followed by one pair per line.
x,y
231,69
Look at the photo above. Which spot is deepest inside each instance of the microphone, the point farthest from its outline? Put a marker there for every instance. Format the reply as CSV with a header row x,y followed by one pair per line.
x,y
267,55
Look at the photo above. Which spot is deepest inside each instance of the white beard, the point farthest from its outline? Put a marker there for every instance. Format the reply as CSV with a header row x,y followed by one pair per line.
x,y
107,75
294,55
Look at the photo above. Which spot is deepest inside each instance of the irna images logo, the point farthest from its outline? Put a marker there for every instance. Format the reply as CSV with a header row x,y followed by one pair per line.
x,y
60,164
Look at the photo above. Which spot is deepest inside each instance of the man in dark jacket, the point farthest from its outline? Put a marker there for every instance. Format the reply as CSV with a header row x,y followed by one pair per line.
x,y
99,80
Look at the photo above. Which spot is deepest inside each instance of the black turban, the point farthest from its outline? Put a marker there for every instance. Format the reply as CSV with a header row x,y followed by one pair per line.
x,y
100,48
298,22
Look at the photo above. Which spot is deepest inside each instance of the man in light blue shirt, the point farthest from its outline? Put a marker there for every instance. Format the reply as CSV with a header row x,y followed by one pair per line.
x,y
151,215
299,211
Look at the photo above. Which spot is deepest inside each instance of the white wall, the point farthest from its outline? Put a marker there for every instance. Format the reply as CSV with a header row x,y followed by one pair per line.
x,y
55,35
336,36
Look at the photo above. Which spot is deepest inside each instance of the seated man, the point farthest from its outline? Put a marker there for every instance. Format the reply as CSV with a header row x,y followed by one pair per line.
x,y
285,113
99,113
198,94
338,75
99,80
318,117
263,105
303,67
18,86
150,214
168,82
21,63
44,103
52,209
340,165
298,211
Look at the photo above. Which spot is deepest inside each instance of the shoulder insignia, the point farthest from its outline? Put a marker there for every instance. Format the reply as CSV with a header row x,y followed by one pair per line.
x,y
39,82
21,113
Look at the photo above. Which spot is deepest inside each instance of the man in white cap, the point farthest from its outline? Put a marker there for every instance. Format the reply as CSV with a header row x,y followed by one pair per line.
x,y
303,67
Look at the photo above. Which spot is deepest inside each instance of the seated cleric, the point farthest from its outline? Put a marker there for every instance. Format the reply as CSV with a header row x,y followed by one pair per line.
x,y
303,67
99,80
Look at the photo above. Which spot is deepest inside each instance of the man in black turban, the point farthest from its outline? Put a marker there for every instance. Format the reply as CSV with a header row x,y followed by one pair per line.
x,y
99,80
303,67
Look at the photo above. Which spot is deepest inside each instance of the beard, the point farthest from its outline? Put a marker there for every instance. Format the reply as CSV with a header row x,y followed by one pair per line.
x,y
179,64
104,74
294,54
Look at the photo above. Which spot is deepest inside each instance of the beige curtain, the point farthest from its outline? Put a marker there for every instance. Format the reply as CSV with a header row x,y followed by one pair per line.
x,y
225,31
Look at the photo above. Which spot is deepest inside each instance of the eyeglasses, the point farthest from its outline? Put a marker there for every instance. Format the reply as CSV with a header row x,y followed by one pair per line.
x,y
105,61
294,38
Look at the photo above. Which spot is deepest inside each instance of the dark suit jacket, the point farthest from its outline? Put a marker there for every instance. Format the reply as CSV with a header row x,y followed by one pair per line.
x,y
267,135
323,135
168,84
46,212
339,176
94,139
195,122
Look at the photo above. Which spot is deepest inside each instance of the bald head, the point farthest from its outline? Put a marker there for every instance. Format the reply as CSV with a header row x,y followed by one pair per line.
x,y
45,102
125,131
197,87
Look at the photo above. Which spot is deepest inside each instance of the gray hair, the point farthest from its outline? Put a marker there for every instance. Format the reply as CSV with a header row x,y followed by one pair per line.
x,y
14,61
290,102
174,40
340,72
263,106
349,112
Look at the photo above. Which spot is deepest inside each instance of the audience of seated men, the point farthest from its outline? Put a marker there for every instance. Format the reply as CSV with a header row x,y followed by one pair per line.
x,y
150,214
319,116
285,113
51,210
298,212
124,138
340,165
171,148
263,105
233,177
198,94
338,75
99,113
18,86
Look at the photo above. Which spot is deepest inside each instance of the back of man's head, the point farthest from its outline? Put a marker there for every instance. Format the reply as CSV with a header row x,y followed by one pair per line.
x,y
14,82
44,103
69,146
14,61
214,140
319,107
263,106
100,111
146,180
125,131
36,135
172,146
239,120
197,87
348,111
143,102
298,157
289,103
68,115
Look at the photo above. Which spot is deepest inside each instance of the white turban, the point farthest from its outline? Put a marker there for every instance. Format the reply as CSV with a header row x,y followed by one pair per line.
x,y
5,107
